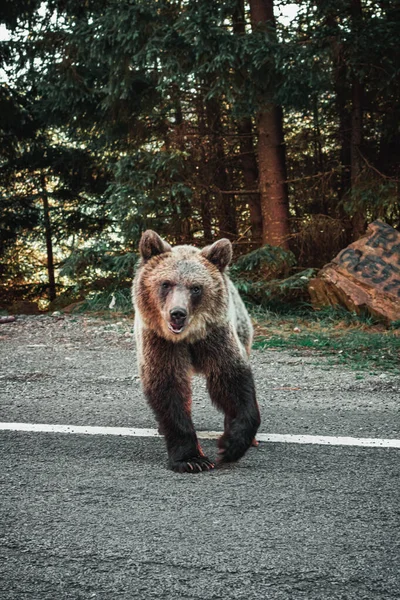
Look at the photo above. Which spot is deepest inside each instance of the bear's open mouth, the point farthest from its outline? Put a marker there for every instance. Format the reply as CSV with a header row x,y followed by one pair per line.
x,y
176,328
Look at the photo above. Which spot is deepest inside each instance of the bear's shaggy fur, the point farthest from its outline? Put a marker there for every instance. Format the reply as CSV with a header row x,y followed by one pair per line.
x,y
189,318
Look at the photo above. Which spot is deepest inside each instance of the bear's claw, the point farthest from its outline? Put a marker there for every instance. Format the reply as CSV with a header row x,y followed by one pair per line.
x,y
193,465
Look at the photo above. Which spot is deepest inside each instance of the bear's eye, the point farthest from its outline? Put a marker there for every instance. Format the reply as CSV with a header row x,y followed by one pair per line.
x,y
196,290
165,285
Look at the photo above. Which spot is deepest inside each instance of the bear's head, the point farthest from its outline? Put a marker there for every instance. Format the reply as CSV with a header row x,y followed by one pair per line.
x,y
181,292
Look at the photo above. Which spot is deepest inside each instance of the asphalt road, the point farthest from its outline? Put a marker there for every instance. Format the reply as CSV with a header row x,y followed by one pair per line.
x,y
101,517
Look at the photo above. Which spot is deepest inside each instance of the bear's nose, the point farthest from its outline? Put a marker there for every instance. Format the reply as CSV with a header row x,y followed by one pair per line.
x,y
178,313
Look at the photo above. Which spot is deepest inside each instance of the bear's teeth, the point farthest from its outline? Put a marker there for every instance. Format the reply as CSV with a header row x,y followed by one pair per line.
x,y
171,328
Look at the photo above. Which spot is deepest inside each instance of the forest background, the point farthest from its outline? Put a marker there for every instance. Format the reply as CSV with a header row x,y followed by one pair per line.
x,y
274,124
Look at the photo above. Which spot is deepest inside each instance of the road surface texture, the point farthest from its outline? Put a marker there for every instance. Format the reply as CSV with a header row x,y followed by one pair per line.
x,y
100,516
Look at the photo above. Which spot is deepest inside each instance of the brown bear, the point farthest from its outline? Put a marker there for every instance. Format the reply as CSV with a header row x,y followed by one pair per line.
x,y
189,318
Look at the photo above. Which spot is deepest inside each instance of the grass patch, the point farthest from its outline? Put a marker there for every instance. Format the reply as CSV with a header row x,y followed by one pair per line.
x,y
360,343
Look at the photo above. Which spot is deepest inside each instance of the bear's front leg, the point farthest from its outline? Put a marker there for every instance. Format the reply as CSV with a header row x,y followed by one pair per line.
x,y
231,387
166,384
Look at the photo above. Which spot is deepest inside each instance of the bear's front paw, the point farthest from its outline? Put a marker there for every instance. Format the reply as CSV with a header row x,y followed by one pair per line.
x,y
192,465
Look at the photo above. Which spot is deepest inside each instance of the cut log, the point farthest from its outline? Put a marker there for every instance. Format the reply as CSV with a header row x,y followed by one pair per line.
x,y
365,276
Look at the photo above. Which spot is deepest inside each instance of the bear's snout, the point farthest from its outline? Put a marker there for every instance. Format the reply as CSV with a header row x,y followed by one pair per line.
x,y
178,316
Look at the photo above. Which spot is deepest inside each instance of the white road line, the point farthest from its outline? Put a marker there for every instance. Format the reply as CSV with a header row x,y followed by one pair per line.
x,y
204,435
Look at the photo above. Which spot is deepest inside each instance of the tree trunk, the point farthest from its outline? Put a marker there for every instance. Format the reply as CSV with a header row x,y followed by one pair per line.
x,y
319,204
250,177
272,169
49,241
226,211
204,172
271,151
341,97
206,216
328,15
245,131
183,224
358,220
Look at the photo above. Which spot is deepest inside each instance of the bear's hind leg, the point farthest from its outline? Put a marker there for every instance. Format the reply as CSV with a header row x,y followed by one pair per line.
x,y
231,387
235,395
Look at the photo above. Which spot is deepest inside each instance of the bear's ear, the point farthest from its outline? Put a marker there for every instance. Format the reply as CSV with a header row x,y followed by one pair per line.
x,y
151,244
219,253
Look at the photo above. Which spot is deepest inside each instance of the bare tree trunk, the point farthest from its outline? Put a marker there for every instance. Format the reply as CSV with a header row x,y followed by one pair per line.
x,y
247,151
271,151
344,120
185,225
359,219
319,204
328,14
205,176
49,241
226,211
272,169
250,177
